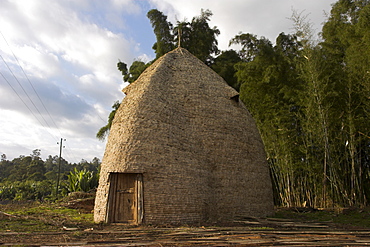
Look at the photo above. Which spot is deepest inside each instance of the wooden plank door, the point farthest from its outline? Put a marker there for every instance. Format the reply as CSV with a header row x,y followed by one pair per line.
x,y
125,204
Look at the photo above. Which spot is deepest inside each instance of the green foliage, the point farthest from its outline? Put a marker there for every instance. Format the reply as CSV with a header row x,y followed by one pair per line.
x,y
269,88
31,178
82,180
196,36
163,32
121,66
104,131
136,68
252,46
311,104
29,190
7,192
346,43
224,65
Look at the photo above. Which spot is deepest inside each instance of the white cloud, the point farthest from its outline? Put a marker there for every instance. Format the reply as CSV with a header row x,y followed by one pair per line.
x,y
260,17
69,51
40,57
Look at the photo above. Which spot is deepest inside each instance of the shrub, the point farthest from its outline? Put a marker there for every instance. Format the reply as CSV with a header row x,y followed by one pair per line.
x,y
82,180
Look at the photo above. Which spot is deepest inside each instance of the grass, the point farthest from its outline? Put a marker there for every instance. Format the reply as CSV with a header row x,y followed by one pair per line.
x,y
52,217
36,217
345,218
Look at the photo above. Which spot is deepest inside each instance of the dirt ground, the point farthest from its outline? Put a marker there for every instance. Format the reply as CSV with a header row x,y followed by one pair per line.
x,y
290,230
247,232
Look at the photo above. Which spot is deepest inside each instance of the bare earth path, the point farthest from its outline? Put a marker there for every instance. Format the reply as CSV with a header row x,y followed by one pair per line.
x,y
249,232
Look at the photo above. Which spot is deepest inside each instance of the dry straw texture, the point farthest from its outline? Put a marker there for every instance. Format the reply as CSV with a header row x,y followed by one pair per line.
x,y
197,146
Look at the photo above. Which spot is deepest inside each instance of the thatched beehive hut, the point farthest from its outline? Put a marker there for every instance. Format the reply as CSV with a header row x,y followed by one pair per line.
x,y
182,149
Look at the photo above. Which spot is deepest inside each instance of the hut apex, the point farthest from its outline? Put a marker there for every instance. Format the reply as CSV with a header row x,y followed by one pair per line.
x,y
182,149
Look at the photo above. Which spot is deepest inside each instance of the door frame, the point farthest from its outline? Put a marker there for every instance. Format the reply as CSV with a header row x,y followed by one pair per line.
x,y
139,207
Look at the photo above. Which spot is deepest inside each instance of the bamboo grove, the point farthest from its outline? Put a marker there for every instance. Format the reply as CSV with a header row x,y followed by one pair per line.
x,y
309,96
311,103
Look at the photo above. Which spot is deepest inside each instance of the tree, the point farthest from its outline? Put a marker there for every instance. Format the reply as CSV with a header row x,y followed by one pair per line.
x,y
195,36
224,65
136,68
346,41
3,157
20,165
36,170
251,45
121,66
320,101
163,32
51,163
198,37
31,178
36,153
269,87
5,168
104,131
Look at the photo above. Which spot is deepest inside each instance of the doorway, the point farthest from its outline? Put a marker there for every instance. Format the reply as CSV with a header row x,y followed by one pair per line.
x,y
125,203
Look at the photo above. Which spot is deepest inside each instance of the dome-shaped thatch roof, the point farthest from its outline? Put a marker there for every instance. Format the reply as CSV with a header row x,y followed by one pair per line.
x,y
190,149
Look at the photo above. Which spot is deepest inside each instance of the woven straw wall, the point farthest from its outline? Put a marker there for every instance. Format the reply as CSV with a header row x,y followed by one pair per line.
x,y
199,150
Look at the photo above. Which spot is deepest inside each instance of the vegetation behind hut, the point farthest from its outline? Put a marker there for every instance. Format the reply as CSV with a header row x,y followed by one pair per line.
x,y
31,178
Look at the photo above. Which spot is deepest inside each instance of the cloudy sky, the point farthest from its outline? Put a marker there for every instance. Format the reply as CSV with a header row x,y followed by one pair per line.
x,y
58,75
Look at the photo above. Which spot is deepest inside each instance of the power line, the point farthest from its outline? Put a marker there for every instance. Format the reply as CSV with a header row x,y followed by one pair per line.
x,y
21,98
29,98
15,91
38,96
42,103
70,154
